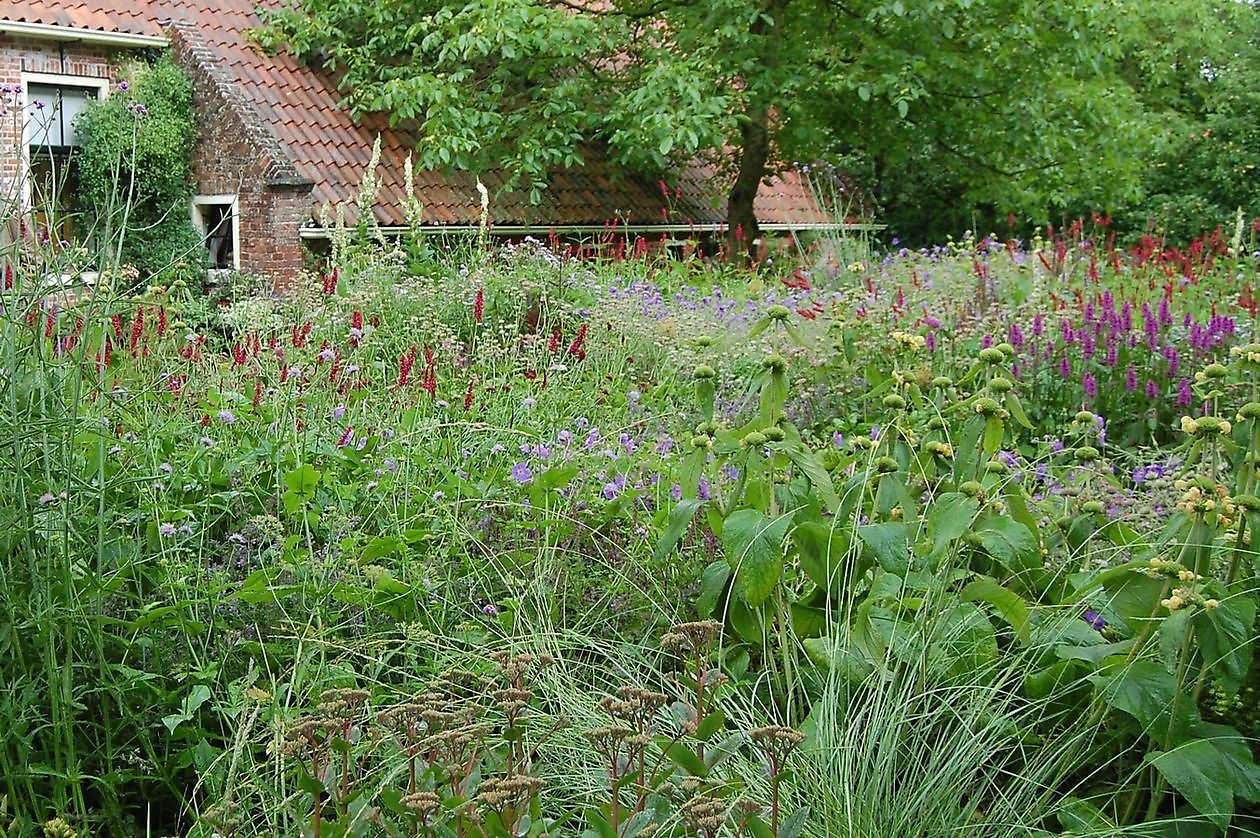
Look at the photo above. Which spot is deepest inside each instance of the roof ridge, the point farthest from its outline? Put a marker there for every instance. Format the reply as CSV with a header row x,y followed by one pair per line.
x,y
191,49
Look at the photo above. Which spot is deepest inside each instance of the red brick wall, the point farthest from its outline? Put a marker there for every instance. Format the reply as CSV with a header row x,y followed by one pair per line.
x,y
237,155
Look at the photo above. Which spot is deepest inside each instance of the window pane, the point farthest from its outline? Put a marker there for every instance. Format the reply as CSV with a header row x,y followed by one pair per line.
x,y
52,113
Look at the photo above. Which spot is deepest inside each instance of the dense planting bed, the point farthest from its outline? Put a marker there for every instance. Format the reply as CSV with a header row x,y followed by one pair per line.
x,y
952,541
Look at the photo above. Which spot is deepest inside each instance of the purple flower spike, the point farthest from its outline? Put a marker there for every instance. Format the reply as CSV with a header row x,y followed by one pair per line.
x,y
1184,396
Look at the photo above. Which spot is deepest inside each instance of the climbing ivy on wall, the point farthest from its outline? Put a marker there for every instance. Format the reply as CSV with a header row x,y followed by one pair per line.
x,y
135,170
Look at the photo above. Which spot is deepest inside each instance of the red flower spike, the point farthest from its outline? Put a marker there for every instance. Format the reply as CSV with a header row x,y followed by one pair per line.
x,y
137,330
405,362
479,305
575,348
468,396
345,437
554,343
161,321
258,392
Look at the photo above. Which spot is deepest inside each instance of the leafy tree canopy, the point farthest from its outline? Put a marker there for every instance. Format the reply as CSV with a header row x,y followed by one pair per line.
x,y
1025,103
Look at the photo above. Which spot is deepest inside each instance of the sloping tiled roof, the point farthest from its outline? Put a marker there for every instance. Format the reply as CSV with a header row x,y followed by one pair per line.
x,y
117,17
300,108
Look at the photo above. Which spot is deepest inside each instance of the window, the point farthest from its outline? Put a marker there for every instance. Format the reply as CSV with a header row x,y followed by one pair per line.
x,y
215,218
53,105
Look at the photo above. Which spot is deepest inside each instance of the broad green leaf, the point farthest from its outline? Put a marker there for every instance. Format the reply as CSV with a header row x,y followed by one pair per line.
x,y
753,544
1197,771
1011,606
826,555
302,480
1010,542
994,431
793,826
712,586
808,464
680,518
950,517
1235,753
1226,637
888,545
1143,689
1130,594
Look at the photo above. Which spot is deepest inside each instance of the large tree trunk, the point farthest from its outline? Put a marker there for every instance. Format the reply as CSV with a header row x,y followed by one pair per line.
x,y
743,232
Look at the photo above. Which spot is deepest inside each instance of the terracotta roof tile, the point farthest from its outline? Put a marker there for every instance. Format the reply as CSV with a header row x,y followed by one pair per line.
x,y
300,108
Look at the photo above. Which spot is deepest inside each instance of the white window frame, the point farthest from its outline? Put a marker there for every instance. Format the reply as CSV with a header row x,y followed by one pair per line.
x,y
97,83
233,203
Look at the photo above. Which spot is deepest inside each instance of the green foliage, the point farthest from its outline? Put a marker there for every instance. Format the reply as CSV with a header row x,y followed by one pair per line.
x,y
937,594
135,169
1013,106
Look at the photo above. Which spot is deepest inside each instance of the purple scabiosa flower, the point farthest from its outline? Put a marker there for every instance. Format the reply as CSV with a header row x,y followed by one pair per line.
x,y
540,452
166,529
490,610
528,402
227,417
628,443
929,341
986,342
565,437
327,355
1095,620
731,472
592,439
521,473
390,465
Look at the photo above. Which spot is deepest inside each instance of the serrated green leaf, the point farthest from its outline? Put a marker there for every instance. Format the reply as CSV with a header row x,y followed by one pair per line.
x,y
753,544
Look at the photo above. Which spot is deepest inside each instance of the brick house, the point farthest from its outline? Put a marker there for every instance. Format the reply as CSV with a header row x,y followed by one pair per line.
x,y
276,155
